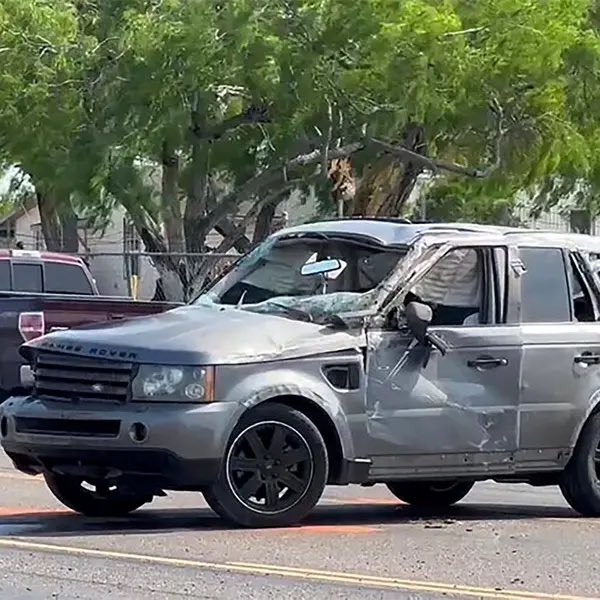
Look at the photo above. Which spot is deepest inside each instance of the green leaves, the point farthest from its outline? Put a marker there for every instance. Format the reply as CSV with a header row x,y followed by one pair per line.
x,y
89,90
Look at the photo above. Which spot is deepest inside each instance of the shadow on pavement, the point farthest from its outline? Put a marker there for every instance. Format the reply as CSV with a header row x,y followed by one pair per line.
x,y
203,519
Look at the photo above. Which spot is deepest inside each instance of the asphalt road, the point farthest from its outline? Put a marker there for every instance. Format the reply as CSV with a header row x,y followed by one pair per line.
x,y
501,542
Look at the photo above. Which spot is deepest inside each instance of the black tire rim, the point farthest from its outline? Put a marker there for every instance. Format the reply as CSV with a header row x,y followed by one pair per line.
x,y
596,463
269,467
97,491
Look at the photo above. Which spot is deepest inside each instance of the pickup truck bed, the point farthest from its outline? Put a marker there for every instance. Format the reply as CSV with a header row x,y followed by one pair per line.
x,y
26,315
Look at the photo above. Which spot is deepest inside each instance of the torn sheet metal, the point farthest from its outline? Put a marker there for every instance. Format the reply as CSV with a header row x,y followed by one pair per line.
x,y
421,403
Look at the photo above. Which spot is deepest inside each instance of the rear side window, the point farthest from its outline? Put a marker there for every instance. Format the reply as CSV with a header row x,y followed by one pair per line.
x,y
27,277
66,279
5,275
544,287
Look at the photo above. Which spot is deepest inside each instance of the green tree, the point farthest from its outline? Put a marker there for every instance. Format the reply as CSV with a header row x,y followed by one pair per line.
x,y
41,114
187,113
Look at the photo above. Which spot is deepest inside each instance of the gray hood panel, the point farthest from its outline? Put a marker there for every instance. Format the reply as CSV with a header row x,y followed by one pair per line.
x,y
197,335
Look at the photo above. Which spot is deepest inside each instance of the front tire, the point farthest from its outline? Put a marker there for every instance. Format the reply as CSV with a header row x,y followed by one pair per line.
x,y
101,500
430,494
274,472
580,481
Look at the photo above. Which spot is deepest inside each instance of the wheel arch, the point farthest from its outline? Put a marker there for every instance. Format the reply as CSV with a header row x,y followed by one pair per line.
x,y
323,421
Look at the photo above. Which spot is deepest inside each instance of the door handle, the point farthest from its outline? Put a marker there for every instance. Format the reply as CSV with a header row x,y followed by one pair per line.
x,y
587,358
117,317
487,362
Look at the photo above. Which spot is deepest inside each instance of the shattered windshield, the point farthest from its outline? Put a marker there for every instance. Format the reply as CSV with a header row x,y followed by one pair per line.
x,y
319,276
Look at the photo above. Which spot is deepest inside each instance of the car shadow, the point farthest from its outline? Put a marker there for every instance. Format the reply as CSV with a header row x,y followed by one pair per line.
x,y
65,523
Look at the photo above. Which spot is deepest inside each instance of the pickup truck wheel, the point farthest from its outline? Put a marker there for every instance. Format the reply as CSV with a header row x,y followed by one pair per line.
x,y
274,471
580,481
101,500
430,494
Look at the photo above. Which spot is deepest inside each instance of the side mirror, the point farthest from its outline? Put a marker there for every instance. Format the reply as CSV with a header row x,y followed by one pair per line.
x,y
418,319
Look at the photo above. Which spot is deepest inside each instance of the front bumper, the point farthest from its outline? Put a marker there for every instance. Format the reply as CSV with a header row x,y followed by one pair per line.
x,y
172,446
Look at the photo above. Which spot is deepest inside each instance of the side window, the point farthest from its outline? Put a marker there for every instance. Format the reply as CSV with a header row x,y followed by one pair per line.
x,y
454,288
66,279
582,305
27,277
544,288
5,275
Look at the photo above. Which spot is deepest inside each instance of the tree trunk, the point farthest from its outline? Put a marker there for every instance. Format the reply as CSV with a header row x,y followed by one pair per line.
x,y
170,204
49,220
170,282
264,220
170,285
70,231
226,227
386,185
195,207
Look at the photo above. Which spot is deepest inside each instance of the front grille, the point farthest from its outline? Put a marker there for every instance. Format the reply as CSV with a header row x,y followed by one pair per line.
x,y
68,427
73,378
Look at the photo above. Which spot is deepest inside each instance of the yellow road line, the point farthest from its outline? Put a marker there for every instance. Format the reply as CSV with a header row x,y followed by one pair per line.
x,y
293,573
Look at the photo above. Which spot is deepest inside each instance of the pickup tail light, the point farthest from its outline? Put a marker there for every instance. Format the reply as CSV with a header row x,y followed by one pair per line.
x,y
31,325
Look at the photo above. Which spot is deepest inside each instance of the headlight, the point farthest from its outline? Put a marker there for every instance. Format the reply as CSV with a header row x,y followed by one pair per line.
x,y
174,384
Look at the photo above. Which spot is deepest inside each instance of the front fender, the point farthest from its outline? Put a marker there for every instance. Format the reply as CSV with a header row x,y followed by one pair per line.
x,y
261,387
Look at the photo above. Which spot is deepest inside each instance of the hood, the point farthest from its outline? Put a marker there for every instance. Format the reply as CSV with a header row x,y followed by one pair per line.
x,y
198,335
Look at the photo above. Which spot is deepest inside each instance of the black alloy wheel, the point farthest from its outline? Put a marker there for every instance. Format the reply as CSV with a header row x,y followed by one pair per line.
x,y
269,467
274,471
580,481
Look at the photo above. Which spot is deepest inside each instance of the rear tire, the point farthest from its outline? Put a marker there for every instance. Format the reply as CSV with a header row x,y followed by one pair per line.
x,y
430,494
580,481
274,472
101,502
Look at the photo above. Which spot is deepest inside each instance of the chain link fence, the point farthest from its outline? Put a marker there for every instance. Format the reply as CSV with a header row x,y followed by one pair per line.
x,y
139,274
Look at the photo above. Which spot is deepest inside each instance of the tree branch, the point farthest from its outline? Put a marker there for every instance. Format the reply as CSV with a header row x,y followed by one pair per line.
x,y
227,244
272,176
275,174
436,166
251,116
465,31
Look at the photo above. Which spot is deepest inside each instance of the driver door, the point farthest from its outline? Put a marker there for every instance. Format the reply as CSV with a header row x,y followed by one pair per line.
x,y
425,410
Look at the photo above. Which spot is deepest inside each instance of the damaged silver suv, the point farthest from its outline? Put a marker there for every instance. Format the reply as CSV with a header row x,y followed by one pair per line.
x,y
425,357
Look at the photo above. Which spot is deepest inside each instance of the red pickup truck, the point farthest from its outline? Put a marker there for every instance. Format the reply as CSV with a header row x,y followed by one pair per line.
x,y
45,291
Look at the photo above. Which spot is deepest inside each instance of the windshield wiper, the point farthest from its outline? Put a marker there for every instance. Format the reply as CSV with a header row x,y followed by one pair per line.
x,y
241,299
335,322
293,312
